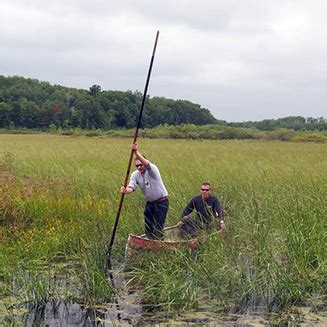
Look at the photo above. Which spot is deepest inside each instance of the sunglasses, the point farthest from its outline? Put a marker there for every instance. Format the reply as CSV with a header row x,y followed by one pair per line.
x,y
205,189
139,165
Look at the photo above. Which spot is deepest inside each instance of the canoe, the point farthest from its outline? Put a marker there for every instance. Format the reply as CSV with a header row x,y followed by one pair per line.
x,y
172,240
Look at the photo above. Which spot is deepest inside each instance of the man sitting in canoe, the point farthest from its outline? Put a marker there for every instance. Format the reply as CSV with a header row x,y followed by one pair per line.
x,y
208,213
147,177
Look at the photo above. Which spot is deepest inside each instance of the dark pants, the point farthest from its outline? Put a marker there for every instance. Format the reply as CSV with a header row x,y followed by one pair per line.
x,y
155,214
192,226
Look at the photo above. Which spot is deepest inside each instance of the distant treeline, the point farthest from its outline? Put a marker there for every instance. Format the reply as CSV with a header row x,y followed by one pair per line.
x,y
30,104
295,123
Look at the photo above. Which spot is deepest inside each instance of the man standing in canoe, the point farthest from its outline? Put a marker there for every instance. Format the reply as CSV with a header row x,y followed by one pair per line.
x,y
147,177
208,213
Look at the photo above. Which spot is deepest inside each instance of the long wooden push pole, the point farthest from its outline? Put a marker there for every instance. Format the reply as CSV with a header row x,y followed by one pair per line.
x,y
132,152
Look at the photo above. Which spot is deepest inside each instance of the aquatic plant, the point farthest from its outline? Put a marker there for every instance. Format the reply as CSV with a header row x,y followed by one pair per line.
x,y
59,196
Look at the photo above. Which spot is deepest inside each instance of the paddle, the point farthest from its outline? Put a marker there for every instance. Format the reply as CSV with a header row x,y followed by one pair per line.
x,y
132,152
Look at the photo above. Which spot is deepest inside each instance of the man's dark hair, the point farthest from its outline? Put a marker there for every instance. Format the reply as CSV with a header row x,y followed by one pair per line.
x,y
137,158
206,183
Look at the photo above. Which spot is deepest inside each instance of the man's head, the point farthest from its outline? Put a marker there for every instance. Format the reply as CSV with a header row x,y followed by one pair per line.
x,y
205,190
139,166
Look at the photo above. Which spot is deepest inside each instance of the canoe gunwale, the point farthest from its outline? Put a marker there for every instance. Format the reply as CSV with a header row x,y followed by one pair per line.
x,y
141,242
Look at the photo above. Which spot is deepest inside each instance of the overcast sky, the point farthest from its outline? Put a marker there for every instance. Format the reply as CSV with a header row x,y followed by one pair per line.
x,y
242,60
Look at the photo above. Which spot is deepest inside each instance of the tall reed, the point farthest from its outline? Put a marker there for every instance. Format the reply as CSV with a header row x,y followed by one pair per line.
x,y
59,197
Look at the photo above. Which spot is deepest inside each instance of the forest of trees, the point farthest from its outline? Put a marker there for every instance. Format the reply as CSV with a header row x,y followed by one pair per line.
x,y
29,103
32,104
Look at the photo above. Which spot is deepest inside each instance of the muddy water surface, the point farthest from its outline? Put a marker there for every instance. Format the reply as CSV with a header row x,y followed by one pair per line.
x,y
129,309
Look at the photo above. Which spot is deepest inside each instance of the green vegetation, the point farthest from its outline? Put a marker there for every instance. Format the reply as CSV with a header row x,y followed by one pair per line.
x,y
190,131
28,104
58,200
221,132
295,123
31,104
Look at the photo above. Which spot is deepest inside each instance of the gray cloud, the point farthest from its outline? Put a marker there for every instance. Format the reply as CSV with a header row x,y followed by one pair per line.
x,y
245,60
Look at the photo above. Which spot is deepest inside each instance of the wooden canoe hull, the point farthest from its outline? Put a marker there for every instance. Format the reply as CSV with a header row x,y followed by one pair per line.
x,y
137,242
172,240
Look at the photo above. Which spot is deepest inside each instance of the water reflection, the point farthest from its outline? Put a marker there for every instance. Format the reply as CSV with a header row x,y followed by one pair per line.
x,y
55,313
73,314
130,311
128,308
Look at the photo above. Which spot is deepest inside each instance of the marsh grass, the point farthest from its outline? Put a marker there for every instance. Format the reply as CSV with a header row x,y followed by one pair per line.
x,y
59,197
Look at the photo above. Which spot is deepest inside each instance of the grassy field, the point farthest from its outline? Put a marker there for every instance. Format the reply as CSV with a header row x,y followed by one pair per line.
x,y
58,201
